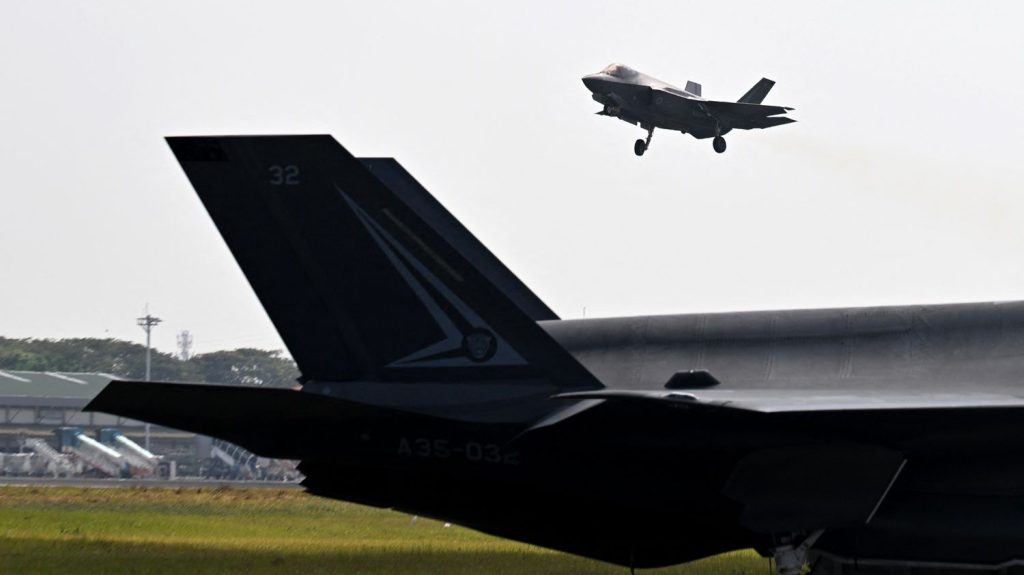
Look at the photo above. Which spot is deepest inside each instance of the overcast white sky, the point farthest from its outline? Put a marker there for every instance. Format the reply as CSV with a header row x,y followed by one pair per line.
x,y
901,182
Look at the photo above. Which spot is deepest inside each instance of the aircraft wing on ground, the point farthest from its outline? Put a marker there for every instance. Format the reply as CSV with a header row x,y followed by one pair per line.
x,y
771,401
828,458
918,422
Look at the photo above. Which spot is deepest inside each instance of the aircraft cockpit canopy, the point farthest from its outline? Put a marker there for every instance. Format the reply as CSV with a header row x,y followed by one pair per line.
x,y
620,71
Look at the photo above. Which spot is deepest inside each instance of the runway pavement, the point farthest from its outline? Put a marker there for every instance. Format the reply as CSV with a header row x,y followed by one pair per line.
x,y
191,483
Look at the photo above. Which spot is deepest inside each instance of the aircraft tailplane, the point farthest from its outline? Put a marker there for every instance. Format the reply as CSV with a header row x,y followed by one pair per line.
x,y
271,422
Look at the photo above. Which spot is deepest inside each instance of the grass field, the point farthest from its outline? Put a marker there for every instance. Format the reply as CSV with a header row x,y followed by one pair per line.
x,y
82,530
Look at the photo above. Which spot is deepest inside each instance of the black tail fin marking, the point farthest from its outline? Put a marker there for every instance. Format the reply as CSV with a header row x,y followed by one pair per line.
x,y
412,194
468,338
364,282
758,92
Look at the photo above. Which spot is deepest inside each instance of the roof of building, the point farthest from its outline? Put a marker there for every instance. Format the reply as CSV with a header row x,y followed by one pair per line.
x,y
52,384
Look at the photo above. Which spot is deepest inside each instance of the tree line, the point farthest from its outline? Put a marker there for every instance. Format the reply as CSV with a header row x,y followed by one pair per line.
x,y
244,366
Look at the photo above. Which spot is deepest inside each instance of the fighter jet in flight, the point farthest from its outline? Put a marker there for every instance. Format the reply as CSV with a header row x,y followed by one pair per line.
x,y
640,99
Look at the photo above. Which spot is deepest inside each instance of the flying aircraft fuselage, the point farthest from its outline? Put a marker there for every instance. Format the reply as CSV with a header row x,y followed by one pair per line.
x,y
650,103
634,101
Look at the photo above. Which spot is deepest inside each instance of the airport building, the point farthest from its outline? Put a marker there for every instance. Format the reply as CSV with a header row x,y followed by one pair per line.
x,y
44,432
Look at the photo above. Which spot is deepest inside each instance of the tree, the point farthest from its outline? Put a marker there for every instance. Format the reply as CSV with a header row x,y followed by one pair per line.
x,y
128,360
246,366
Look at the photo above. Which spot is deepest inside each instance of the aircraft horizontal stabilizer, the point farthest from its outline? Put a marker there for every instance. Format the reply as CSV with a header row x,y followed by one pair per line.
x,y
272,422
743,110
768,122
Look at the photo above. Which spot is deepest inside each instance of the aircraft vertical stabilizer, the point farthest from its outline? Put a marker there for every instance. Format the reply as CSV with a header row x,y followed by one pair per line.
x,y
757,94
364,275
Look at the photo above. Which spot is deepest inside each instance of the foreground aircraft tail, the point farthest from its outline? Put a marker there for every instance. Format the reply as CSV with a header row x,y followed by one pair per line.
x,y
272,422
757,94
364,274
368,279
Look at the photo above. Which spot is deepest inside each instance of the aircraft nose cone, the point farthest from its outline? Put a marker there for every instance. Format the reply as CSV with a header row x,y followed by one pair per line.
x,y
591,82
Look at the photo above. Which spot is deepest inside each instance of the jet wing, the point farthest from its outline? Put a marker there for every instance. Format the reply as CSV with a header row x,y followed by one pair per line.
x,y
733,109
770,401
748,116
889,418
736,114
741,110
812,459
758,123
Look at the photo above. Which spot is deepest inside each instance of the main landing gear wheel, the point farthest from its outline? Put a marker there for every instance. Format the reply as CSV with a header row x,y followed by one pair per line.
x,y
718,144
791,557
640,146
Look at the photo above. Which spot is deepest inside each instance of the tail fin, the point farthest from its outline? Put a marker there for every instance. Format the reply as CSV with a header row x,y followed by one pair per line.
x,y
362,272
402,184
757,94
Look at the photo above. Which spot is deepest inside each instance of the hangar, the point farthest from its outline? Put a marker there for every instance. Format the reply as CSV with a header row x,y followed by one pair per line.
x,y
44,432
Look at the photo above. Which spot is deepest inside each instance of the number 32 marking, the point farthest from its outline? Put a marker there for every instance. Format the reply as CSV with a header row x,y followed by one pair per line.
x,y
284,175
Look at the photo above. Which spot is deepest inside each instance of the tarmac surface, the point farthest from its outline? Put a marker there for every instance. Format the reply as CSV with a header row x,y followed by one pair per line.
x,y
191,483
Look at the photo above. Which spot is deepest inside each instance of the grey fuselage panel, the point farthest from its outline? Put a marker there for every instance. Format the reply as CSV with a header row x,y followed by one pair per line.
x,y
976,347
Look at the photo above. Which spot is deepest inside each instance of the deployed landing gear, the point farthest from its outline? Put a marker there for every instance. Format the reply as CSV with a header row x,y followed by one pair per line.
x,y
640,146
791,557
718,143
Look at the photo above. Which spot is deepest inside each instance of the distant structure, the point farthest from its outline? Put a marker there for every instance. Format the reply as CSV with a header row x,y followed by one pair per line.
x,y
44,433
147,323
37,407
184,345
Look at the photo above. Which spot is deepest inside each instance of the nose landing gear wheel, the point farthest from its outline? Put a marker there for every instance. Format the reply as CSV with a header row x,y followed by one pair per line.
x,y
719,144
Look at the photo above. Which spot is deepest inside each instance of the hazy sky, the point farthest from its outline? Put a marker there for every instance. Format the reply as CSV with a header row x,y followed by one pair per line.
x,y
901,182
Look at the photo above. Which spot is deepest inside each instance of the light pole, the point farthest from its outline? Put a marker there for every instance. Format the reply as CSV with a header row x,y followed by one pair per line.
x,y
147,323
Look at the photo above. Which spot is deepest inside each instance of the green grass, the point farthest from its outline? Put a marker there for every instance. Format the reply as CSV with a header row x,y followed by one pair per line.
x,y
80,530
